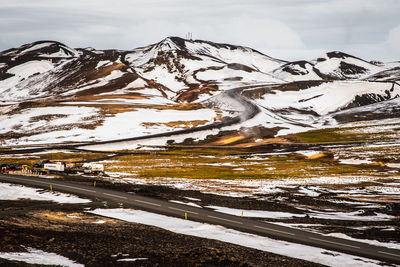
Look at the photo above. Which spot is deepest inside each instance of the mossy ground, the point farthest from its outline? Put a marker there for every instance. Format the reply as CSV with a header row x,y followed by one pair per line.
x,y
363,142
185,164
352,133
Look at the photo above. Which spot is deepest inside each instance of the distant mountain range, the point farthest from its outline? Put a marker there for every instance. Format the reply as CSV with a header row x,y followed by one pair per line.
x,y
176,70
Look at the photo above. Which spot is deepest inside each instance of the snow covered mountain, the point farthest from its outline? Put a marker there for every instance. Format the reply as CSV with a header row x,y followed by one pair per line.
x,y
175,69
53,93
338,66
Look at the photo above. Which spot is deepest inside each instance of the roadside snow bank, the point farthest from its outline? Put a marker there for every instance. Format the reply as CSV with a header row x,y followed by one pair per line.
x,y
255,213
203,230
18,192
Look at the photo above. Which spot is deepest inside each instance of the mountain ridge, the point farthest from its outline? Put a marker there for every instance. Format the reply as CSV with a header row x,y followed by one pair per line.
x,y
53,92
174,66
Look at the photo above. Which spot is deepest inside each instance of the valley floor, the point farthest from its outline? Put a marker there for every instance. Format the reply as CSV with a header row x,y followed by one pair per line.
x,y
348,188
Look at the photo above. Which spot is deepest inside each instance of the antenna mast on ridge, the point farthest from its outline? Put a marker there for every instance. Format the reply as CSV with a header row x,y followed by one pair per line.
x,y
189,36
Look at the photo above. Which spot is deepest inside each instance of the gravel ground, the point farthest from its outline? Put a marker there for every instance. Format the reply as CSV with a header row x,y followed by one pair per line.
x,y
68,231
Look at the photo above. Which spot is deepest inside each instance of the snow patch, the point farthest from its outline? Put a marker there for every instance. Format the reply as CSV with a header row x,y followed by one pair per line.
x,y
325,98
36,256
26,69
235,237
18,192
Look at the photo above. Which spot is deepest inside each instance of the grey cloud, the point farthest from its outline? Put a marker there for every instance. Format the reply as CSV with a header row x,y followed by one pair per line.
x,y
280,28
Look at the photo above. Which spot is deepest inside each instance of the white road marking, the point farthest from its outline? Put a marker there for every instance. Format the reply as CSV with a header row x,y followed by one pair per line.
x,y
224,219
73,187
172,208
269,229
389,253
146,202
111,195
340,244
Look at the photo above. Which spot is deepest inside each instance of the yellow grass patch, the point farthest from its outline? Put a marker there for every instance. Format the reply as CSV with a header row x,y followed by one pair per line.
x,y
321,155
61,216
210,165
73,217
108,96
228,140
106,70
265,141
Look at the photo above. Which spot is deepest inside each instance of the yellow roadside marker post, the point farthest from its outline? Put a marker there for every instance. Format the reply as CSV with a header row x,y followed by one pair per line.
x,y
51,188
94,184
242,213
185,216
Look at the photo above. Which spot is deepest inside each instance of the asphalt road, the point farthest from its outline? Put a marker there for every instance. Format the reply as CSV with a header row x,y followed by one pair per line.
x,y
212,217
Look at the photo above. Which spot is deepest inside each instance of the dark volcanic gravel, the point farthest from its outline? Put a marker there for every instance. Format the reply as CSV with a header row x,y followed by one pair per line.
x,y
22,225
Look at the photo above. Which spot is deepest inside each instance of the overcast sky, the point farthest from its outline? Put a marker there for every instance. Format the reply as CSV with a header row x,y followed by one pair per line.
x,y
285,29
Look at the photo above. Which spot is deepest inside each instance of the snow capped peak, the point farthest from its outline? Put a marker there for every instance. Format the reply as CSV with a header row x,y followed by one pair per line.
x,y
339,54
340,65
195,49
181,64
172,43
201,46
297,71
49,49
334,65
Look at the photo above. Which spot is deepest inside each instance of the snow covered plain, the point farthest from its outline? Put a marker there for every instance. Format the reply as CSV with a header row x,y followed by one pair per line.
x,y
46,117
68,123
203,230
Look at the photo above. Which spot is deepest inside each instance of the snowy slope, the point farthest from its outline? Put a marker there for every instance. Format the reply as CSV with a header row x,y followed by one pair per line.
x,y
51,93
180,70
297,71
387,75
305,105
337,66
177,63
343,66
330,96
172,66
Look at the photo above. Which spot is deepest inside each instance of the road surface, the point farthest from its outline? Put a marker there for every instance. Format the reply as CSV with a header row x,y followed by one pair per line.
x,y
212,217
